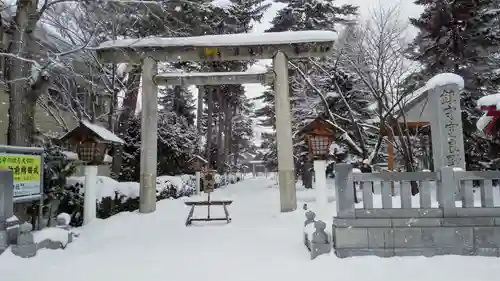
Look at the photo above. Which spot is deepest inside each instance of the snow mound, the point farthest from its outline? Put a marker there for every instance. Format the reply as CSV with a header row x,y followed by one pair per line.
x,y
53,234
490,100
64,217
445,79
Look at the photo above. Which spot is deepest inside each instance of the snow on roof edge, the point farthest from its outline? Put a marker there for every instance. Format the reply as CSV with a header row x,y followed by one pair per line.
x,y
419,94
102,132
240,39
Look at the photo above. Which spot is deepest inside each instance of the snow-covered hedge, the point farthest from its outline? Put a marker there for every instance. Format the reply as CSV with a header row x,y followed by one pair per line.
x,y
115,197
175,186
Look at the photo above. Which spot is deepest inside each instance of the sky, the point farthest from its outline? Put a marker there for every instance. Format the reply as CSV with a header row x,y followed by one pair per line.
x,y
407,9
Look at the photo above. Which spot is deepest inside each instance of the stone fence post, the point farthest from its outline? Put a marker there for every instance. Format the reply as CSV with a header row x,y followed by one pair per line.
x,y
447,186
6,206
344,190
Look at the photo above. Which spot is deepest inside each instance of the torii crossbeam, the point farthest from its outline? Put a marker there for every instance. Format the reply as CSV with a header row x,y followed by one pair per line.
x,y
212,78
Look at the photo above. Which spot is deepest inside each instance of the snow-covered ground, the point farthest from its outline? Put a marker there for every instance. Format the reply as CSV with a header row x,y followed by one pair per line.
x,y
259,244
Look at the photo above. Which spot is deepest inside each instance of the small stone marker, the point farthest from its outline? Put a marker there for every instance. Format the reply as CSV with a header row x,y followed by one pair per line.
x,y
25,247
12,228
3,241
310,216
320,242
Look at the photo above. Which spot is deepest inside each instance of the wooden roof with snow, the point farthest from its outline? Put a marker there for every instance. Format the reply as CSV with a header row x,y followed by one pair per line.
x,y
413,107
198,158
86,129
317,126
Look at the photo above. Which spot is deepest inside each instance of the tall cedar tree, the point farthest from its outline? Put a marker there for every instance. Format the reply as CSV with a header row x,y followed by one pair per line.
x,y
299,15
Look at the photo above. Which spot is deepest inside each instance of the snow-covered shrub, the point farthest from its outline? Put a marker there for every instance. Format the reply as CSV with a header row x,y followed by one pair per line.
x,y
56,168
115,197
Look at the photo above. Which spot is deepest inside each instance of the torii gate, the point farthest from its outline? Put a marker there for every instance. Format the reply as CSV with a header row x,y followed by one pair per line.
x,y
279,46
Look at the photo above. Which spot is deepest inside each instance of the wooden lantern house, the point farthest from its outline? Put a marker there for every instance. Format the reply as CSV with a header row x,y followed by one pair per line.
x,y
91,142
319,135
198,163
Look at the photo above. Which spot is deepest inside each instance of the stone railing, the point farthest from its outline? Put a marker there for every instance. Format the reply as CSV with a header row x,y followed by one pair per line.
x,y
430,223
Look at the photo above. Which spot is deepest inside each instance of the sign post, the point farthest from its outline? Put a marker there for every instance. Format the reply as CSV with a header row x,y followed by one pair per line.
x,y
26,164
92,142
208,187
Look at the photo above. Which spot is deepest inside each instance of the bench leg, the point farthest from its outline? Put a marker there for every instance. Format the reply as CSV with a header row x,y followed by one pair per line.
x,y
188,220
228,219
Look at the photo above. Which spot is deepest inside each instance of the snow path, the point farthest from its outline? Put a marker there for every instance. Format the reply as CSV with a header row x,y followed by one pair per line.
x,y
259,244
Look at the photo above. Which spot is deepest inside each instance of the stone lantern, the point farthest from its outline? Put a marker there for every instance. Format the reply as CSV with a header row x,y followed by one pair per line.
x,y
92,142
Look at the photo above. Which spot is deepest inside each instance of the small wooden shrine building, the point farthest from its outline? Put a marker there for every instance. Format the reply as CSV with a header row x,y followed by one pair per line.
x,y
413,114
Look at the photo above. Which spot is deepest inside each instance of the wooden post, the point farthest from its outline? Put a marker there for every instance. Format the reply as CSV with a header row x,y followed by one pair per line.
x,y
390,156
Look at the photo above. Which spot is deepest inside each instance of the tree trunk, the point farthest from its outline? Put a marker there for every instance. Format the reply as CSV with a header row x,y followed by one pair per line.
x,y
227,132
23,92
177,99
114,101
210,120
220,130
199,110
407,154
127,112
234,140
307,174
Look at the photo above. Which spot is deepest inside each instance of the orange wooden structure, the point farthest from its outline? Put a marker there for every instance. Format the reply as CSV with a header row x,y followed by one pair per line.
x,y
390,137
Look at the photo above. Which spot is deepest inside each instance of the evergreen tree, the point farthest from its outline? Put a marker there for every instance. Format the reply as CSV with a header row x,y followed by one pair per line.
x,y
177,141
310,15
461,37
241,14
300,15
178,100
238,17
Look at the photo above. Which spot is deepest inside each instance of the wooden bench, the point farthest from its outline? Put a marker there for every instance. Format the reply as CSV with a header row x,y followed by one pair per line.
x,y
208,203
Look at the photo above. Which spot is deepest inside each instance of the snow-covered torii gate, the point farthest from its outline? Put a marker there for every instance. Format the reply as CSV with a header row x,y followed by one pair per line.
x,y
279,46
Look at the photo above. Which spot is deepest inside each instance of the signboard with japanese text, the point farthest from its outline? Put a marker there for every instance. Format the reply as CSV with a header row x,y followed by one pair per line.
x,y
27,174
446,127
209,182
